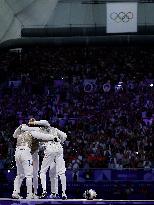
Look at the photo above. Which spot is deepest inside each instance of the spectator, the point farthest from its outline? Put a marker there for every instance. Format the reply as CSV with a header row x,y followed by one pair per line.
x,y
106,127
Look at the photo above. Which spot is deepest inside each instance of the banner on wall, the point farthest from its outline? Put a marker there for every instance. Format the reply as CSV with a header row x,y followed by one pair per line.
x,y
121,17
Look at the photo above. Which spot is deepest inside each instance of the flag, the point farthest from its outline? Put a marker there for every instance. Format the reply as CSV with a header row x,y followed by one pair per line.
x,y
121,17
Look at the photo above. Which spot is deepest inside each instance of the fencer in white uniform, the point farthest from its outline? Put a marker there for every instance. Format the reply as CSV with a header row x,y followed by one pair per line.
x,y
23,160
58,168
23,157
53,158
35,158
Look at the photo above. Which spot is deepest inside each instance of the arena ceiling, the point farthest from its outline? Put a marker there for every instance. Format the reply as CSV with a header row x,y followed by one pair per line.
x,y
16,14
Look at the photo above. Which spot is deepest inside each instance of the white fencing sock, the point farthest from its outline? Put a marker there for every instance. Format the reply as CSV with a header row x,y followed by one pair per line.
x,y
63,182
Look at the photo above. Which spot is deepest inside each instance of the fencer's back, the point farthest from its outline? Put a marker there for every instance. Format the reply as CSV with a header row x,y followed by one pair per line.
x,y
24,139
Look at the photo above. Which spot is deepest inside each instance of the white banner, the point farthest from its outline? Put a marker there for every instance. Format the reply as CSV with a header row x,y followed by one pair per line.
x,y
121,17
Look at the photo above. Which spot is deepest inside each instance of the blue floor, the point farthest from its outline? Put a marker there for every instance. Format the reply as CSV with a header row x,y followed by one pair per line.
x,y
5,201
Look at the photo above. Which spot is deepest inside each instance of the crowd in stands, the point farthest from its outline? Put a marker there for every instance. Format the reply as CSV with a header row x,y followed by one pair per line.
x,y
102,97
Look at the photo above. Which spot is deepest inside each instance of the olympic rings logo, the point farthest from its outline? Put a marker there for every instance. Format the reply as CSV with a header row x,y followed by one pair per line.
x,y
121,17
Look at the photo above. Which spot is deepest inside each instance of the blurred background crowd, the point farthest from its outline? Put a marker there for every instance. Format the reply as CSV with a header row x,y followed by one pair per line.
x,y
102,97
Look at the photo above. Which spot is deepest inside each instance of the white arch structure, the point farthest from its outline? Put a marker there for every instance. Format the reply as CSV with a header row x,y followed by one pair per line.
x,y
15,14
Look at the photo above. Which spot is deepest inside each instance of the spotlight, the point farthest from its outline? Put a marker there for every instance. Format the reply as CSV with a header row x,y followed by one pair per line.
x,y
151,85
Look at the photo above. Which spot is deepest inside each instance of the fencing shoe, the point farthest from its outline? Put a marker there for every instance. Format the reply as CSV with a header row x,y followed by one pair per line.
x,y
16,196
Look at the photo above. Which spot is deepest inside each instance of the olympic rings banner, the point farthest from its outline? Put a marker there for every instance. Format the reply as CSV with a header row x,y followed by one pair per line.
x,y
121,17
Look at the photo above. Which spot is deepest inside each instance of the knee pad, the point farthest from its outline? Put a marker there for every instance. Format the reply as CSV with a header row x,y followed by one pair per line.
x,y
61,172
29,176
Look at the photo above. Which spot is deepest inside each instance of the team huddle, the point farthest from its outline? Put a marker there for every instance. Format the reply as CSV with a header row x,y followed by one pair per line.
x,y
29,139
